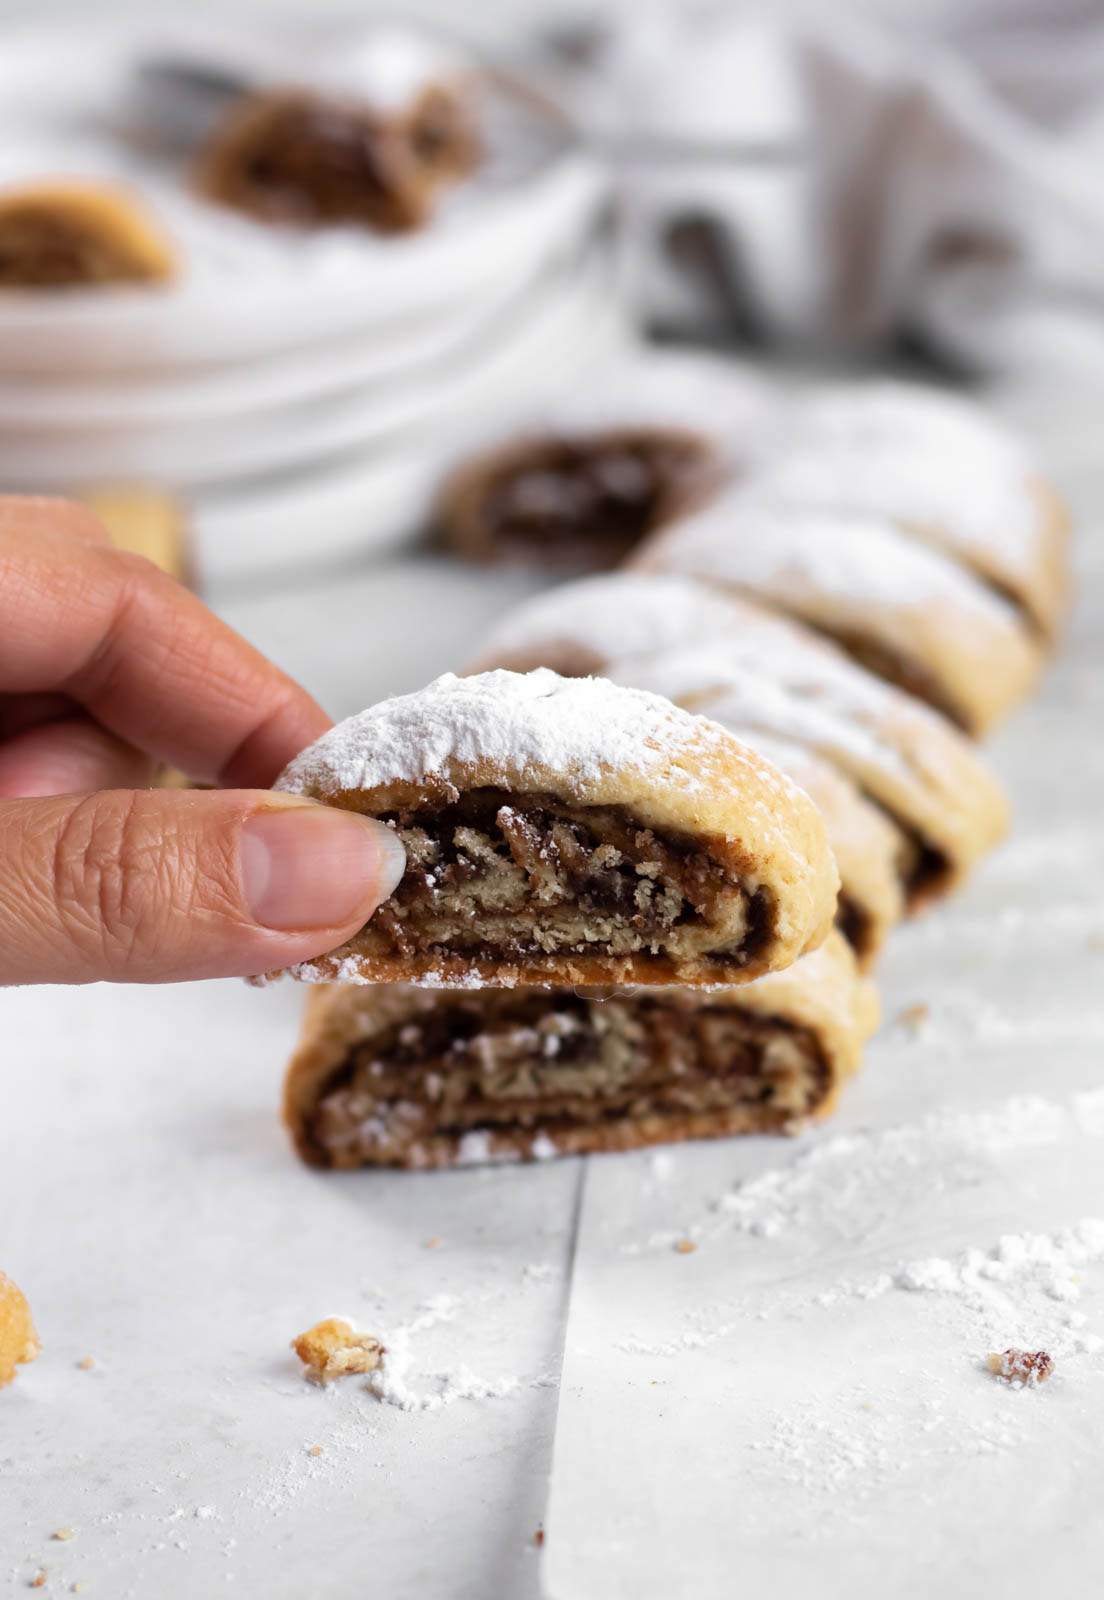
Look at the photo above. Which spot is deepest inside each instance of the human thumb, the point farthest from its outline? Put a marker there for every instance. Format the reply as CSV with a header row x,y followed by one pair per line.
x,y
155,886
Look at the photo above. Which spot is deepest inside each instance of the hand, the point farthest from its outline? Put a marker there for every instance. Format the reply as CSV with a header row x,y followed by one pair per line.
x,y
106,667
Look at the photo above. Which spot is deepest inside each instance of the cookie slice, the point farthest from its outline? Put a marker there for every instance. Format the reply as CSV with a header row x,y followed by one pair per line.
x,y
769,677
946,805
947,471
906,611
400,1076
372,143
630,450
66,235
570,831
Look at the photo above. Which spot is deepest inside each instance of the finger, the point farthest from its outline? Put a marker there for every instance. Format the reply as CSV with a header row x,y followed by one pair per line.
x,y
158,886
72,756
21,711
40,513
146,659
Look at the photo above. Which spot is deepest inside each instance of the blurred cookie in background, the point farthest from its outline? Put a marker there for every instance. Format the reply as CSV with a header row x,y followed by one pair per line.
x,y
63,234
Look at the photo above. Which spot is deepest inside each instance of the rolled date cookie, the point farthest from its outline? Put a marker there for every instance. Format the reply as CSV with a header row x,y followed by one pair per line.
x,y
591,625
947,471
399,1076
906,611
631,449
927,777
570,831
371,140
71,235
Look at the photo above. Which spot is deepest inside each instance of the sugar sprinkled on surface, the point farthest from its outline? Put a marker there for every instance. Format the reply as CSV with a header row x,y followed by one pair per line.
x,y
537,723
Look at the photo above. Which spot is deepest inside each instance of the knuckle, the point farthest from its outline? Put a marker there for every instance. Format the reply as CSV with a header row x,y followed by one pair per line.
x,y
135,878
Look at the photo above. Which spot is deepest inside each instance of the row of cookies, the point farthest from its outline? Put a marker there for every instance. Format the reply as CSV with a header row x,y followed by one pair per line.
x,y
854,644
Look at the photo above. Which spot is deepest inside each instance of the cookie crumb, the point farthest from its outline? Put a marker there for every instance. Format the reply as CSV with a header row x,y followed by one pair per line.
x,y
538,1538
63,1533
38,1581
914,1017
86,1363
18,1339
1029,1367
331,1349
432,1244
315,1450
686,1247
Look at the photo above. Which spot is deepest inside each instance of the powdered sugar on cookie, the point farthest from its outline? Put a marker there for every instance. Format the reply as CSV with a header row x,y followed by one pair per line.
x,y
582,728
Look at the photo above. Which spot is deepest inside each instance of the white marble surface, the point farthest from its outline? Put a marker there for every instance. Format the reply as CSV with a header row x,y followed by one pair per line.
x,y
152,1211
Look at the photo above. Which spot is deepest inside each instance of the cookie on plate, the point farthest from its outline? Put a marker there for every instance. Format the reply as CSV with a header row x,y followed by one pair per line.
x,y
400,1076
570,831
74,234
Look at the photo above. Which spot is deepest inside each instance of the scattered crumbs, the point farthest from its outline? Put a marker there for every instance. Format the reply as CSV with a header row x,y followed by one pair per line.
x,y
1025,1368
315,1450
86,1363
432,1244
63,1533
538,1537
914,1017
333,1349
38,1581
685,1247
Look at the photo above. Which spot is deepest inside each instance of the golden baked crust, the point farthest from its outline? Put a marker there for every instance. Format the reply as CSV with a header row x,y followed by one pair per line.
x,y
904,610
75,234
570,831
500,1092
868,846
333,1349
18,1339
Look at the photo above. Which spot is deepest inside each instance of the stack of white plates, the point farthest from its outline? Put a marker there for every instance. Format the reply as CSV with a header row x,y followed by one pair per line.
x,y
302,390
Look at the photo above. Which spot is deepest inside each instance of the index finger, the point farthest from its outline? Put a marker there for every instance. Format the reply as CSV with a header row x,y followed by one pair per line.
x,y
144,656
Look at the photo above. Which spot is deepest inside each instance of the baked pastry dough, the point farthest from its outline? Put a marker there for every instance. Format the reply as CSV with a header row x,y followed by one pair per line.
x,y
906,611
570,831
950,473
18,1339
627,453
61,235
947,806
592,625
754,670
370,153
869,848
147,522
400,1076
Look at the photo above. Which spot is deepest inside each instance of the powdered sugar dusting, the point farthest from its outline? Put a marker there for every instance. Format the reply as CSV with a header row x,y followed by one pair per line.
x,y
968,502
536,723
517,728
856,557
687,389
616,615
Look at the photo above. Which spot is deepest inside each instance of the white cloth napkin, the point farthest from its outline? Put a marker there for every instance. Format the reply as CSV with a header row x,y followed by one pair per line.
x,y
845,183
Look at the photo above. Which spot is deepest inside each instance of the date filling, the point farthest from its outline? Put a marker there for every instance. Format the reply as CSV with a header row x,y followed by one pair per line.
x,y
587,503
499,876
556,1061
